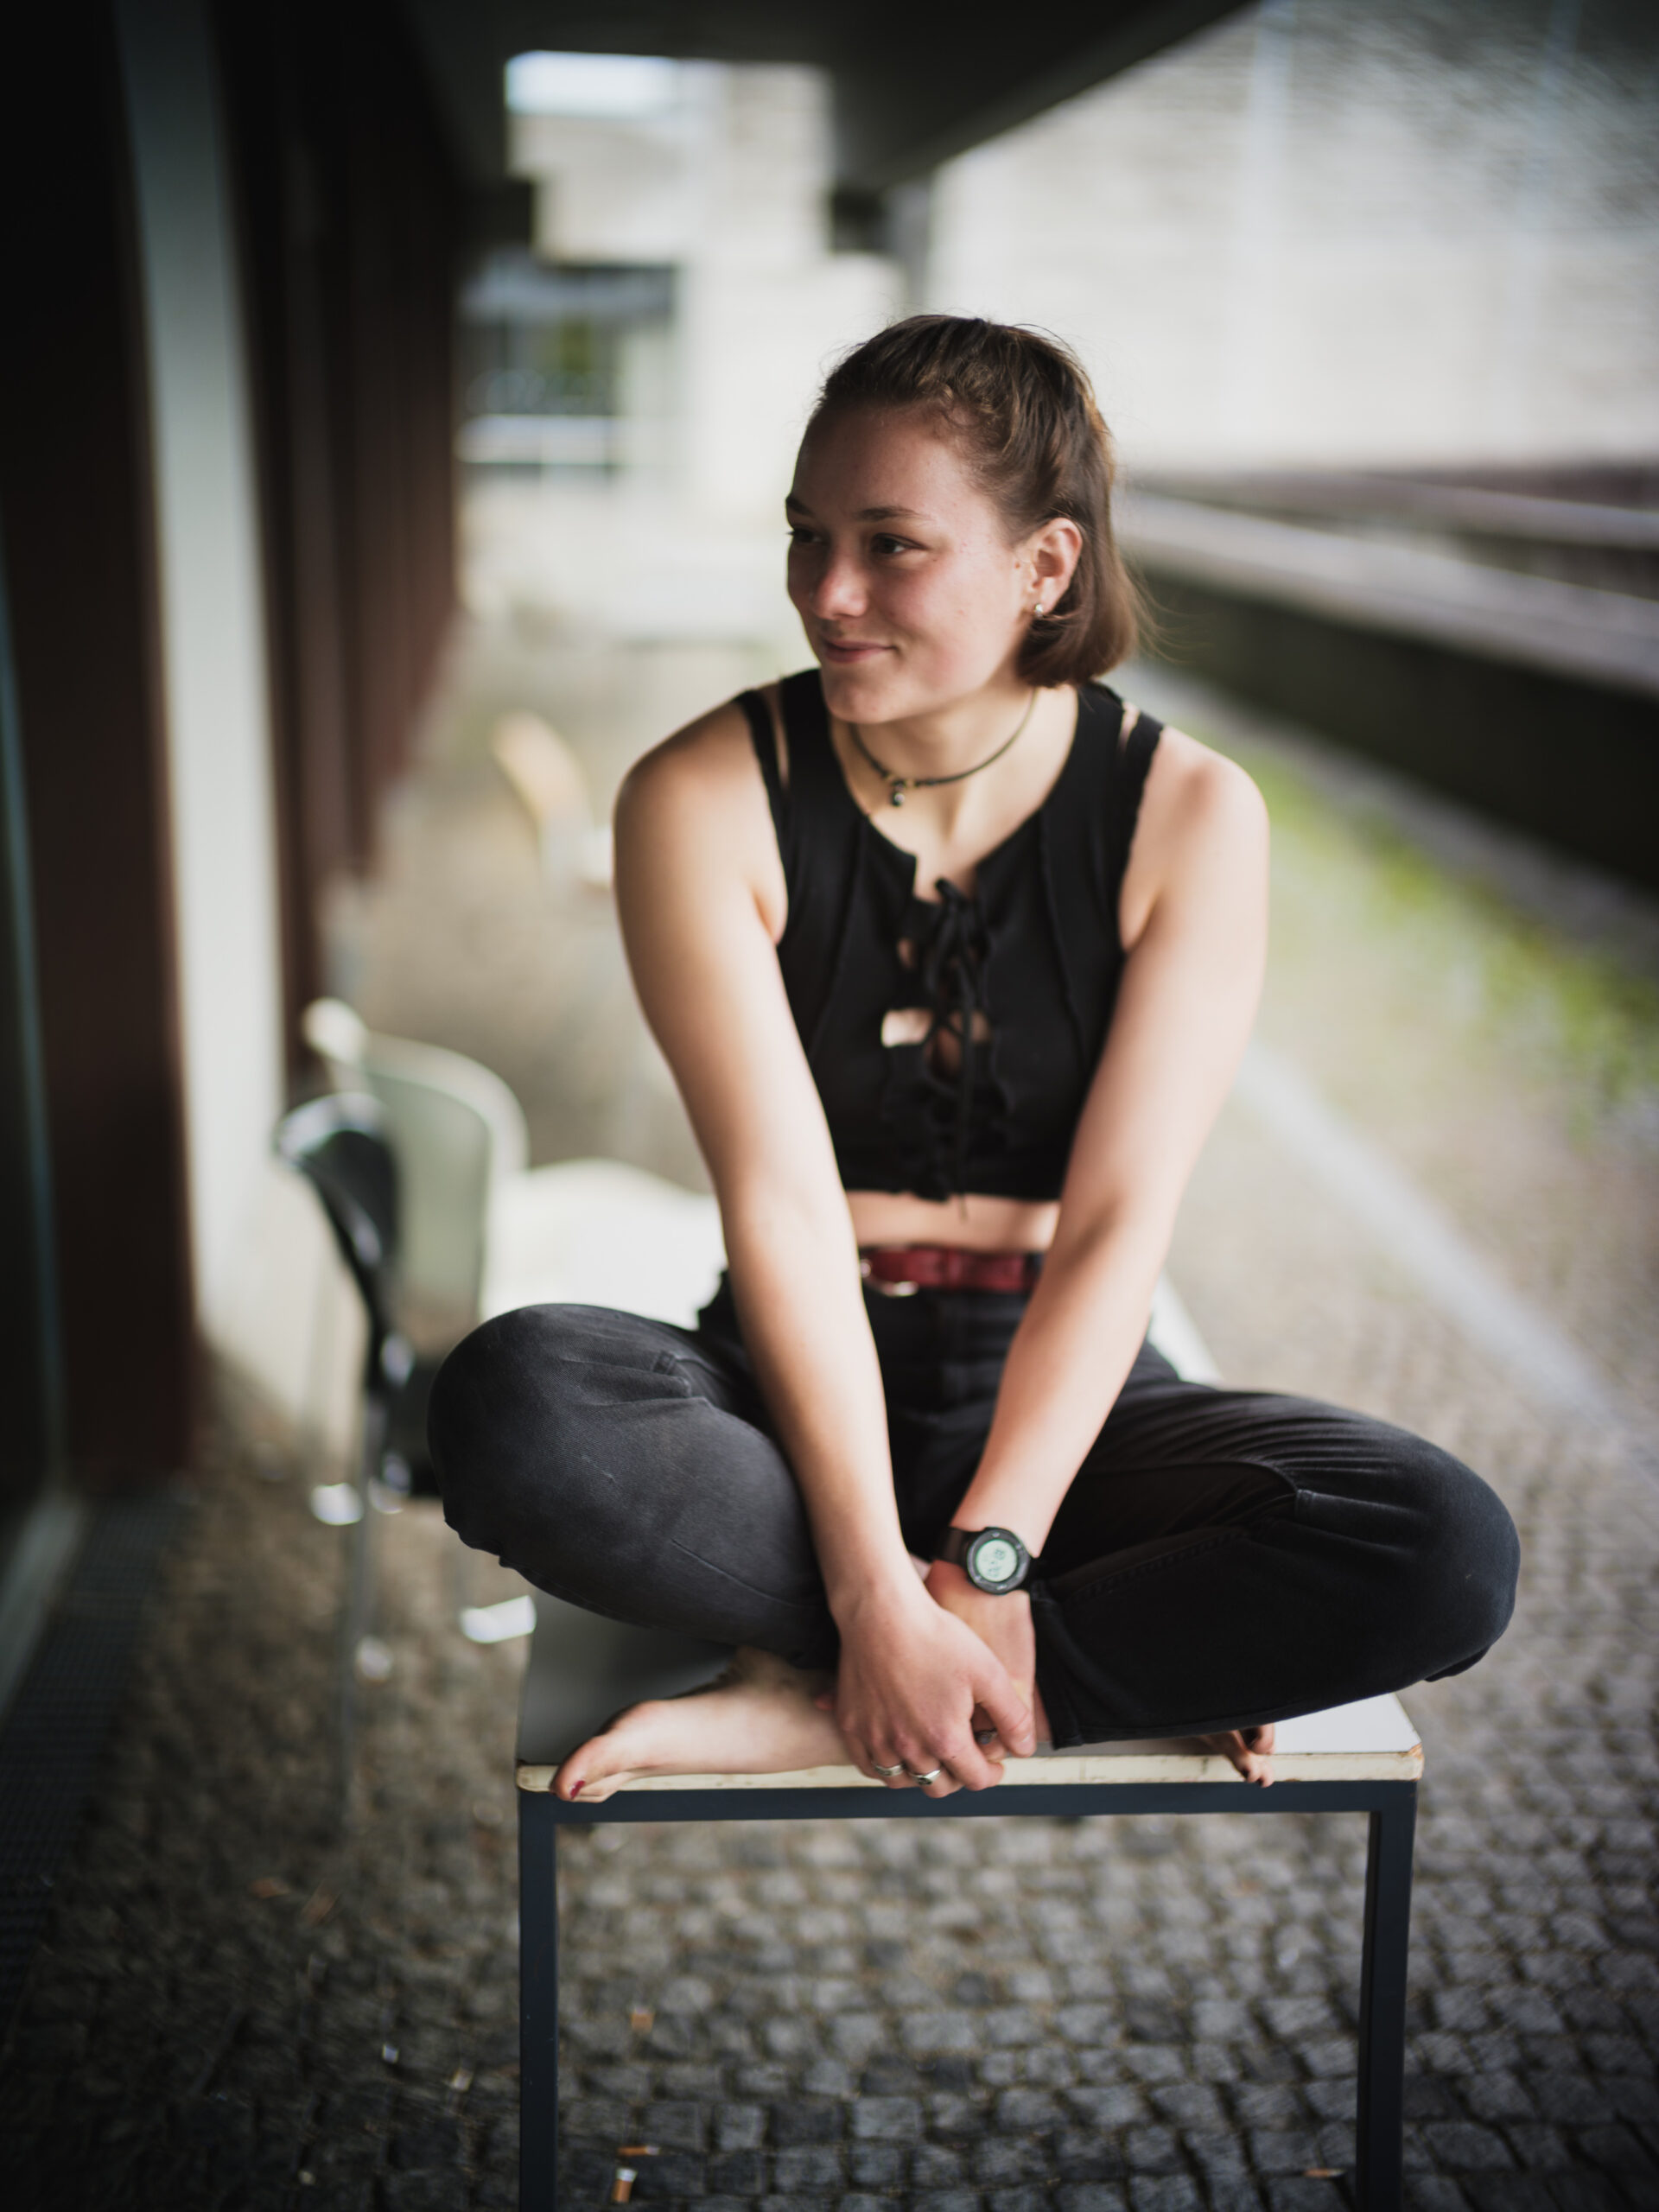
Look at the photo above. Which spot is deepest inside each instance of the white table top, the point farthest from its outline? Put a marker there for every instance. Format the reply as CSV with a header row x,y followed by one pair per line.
x,y
584,1668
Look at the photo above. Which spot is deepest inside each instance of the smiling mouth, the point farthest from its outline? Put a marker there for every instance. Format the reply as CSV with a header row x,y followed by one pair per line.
x,y
852,646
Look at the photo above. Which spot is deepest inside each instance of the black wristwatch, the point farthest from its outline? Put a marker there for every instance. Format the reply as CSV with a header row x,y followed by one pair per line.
x,y
992,1558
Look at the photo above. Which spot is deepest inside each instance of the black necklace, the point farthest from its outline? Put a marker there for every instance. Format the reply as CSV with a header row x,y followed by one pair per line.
x,y
898,786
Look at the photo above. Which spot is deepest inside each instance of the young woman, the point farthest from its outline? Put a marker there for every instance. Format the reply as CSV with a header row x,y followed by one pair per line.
x,y
953,955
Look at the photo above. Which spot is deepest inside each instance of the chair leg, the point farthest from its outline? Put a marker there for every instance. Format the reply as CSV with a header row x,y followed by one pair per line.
x,y
1378,2174
538,2004
358,1610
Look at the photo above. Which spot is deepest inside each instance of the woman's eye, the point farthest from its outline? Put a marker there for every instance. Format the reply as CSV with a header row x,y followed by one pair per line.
x,y
888,546
797,535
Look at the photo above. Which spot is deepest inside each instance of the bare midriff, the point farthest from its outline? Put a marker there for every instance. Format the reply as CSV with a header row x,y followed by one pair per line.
x,y
971,1223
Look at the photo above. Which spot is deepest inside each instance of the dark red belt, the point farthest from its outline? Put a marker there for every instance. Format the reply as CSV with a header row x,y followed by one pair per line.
x,y
896,1270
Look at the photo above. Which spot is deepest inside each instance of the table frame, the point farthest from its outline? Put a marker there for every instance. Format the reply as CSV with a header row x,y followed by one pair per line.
x,y
1391,1807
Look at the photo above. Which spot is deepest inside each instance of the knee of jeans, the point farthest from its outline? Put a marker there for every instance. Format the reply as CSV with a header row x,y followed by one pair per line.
x,y
1471,1560
490,1417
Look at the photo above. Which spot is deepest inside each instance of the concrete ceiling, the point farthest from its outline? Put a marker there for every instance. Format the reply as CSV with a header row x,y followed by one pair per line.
x,y
915,81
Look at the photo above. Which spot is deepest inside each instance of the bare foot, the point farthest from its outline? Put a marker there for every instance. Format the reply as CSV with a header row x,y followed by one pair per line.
x,y
1251,1751
757,1718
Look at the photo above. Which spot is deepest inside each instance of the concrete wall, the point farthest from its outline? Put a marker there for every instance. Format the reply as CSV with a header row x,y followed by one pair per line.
x,y
1331,232
730,184
213,634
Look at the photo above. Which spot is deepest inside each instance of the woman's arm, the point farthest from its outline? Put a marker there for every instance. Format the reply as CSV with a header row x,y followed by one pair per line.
x,y
702,902
1195,917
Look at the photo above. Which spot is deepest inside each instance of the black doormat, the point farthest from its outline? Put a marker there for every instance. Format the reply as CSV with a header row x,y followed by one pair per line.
x,y
60,1717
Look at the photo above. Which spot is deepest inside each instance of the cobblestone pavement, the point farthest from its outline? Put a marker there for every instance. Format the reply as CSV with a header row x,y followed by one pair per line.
x,y
235,2010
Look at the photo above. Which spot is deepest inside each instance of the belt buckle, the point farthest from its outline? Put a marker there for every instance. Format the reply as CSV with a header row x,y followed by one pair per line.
x,y
886,1289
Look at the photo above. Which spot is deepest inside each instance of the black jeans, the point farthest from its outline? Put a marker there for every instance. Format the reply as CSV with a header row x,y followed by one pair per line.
x,y
1222,1558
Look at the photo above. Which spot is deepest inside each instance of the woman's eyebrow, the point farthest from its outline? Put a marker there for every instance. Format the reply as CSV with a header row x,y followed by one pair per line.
x,y
793,505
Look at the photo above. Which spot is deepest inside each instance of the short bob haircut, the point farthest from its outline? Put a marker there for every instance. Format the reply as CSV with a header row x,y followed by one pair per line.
x,y
1022,405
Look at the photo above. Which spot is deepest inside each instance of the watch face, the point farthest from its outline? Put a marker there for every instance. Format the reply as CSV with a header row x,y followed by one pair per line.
x,y
996,1559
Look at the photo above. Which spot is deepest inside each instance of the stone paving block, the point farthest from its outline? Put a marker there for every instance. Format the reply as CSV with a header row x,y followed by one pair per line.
x,y
885,2119
924,2033
1273,2151
1220,2156
1333,2099
952,2115
1571,2100
1155,2063
1300,2193
809,2120
1459,2146
1165,2193
1152,2151
675,2126
1001,2160
1632,2097
1265,2104
1111,2106
1499,2096
1582,2191
1429,2096
1189,2104
1080,2154
945,2200
737,2173
1025,2111
1616,2150
1089,2196
1234,2196
1429,2192
876,2165
1508,2193
809,2166
673,2174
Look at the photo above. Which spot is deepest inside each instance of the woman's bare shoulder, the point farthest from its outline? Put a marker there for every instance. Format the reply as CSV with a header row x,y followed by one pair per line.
x,y
694,810
1197,787
707,756
1202,822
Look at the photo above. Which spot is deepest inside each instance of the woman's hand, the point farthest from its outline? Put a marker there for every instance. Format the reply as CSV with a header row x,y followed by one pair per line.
x,y
912,1678
1003,1624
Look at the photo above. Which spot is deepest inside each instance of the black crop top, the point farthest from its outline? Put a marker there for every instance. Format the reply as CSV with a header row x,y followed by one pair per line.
x,y
1020,980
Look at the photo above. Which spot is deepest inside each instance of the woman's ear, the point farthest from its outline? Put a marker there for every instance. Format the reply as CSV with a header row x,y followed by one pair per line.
x,y
1053,552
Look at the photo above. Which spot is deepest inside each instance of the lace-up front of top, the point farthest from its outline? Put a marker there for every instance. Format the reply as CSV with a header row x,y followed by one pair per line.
x,y
953,1039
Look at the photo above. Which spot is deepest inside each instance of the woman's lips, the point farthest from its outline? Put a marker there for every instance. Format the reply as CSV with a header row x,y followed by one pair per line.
x,y
847,648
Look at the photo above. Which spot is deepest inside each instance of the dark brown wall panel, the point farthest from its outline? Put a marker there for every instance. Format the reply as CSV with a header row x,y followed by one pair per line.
x,y
75,499
349,218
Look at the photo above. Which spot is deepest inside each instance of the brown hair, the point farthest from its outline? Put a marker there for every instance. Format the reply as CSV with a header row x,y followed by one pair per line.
x,y
1022,403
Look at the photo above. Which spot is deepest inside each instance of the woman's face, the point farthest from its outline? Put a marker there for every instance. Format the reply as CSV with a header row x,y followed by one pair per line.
x,y
900,569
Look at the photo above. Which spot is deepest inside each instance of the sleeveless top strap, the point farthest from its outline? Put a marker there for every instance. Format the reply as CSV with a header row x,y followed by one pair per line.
x,y
1134,763
765,741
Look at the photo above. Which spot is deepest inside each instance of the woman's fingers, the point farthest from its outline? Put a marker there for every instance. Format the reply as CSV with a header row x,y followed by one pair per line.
x,y
1006,1710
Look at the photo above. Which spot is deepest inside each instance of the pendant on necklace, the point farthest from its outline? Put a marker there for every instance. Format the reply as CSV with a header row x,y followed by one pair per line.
x,y
897,795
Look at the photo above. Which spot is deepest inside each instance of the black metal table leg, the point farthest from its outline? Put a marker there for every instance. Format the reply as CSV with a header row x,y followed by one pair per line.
x,y
1382,2003
538,2002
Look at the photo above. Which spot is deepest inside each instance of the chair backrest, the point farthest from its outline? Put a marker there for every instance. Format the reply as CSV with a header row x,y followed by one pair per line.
x,y
340,1144
459,1133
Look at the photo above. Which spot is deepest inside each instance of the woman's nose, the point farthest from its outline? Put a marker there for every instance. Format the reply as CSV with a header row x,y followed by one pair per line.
x,y
837,591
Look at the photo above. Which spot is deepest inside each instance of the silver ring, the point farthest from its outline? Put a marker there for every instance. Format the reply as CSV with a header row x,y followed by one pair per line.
x,y
932,1775
888,1772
